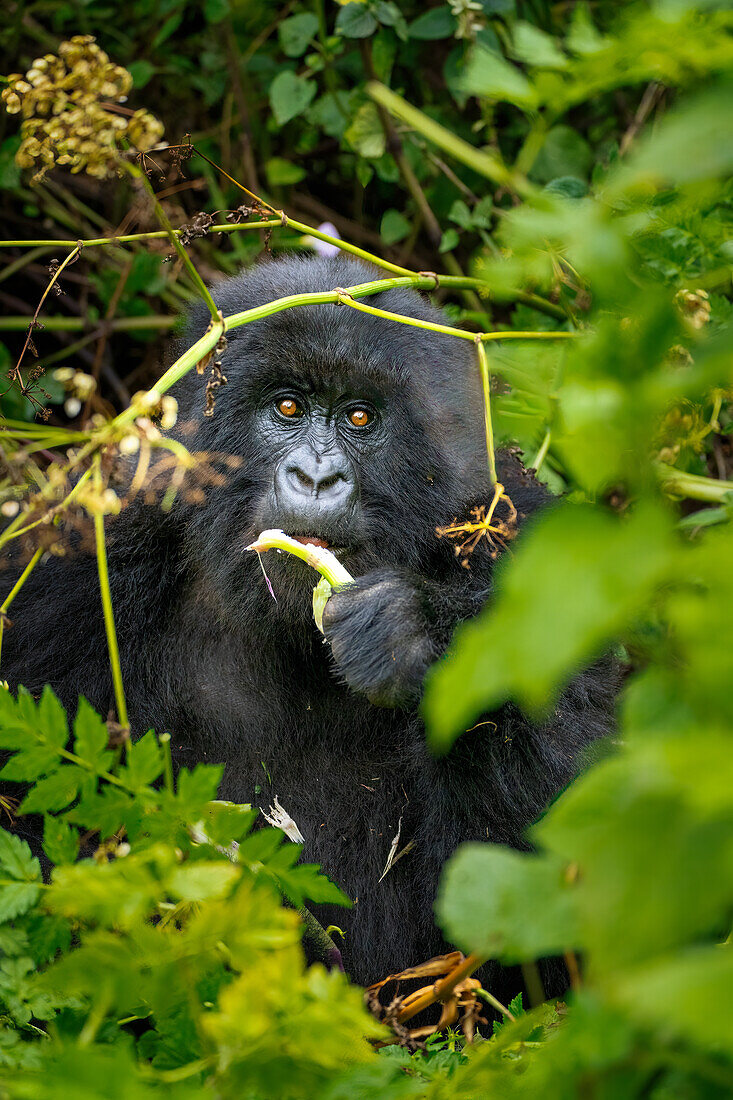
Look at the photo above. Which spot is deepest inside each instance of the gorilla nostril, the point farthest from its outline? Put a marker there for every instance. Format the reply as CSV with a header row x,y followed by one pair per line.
x,y
305,481
329,482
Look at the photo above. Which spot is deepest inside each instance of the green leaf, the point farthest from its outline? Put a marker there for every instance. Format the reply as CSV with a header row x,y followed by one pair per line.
x,y
117,894
384,53
434,24
60,841
649,830
576,580
395,227
17,898
91,738
389,15
364,172
564,153
105,812
16,858
702,127
583,38
532,46
449,240
143,762
296,32
35,734
332,113
568,187
355,21
290,95
490,75
306,882
483,211
197,787
688,996
283,173
460,214
506,905
52,719
53,793
202,880
141,72
18,864
29,764
169,27
9,171
215,10
365,134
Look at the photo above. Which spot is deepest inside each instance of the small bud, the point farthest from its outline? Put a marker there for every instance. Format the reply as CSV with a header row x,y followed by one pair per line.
x,y
9,508
129,445
170,413
83,384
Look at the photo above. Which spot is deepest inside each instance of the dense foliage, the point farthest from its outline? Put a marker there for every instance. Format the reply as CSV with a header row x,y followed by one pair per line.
x,y
576,162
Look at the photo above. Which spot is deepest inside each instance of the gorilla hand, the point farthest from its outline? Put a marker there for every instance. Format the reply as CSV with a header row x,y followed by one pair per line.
x,y
378,632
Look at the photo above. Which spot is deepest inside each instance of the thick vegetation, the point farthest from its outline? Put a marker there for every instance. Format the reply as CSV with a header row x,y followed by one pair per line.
x,y
569,171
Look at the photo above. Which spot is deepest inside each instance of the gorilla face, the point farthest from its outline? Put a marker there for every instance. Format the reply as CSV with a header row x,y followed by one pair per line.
x,y
319,441
355,432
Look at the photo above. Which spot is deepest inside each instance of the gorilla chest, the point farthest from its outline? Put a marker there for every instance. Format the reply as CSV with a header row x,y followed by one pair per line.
x,y
342,769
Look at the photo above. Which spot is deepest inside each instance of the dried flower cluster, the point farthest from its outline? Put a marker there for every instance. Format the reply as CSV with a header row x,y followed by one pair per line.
x,y
484,524
459,1000
694,305
69,107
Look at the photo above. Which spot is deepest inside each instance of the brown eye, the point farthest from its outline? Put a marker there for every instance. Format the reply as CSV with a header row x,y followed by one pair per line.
x,y
288,407
359,418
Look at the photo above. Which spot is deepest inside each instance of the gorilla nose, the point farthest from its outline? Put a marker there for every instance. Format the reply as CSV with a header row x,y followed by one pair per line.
x,y
316,483
320,480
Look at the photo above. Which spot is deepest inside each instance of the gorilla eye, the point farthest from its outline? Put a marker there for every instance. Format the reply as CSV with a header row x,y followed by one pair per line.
x,y
289,407
359,418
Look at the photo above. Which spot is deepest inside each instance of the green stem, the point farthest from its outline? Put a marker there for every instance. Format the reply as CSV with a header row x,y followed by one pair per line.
x,y
16,589
495,1003
208,341
347,297
459,282
318,557
14,530
542,453
174,373
692,486
78,324
173,238
19,263
164,740
155,235
483,362
345,246
109,621
448,330
486,164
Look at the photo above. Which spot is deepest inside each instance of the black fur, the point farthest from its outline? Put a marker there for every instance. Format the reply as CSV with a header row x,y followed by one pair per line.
x,y
238,678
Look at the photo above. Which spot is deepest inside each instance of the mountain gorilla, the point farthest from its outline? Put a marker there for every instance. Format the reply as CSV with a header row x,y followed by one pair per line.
x,y
363,435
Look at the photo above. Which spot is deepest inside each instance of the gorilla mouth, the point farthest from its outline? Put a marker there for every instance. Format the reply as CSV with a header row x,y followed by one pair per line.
x,y
312,540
